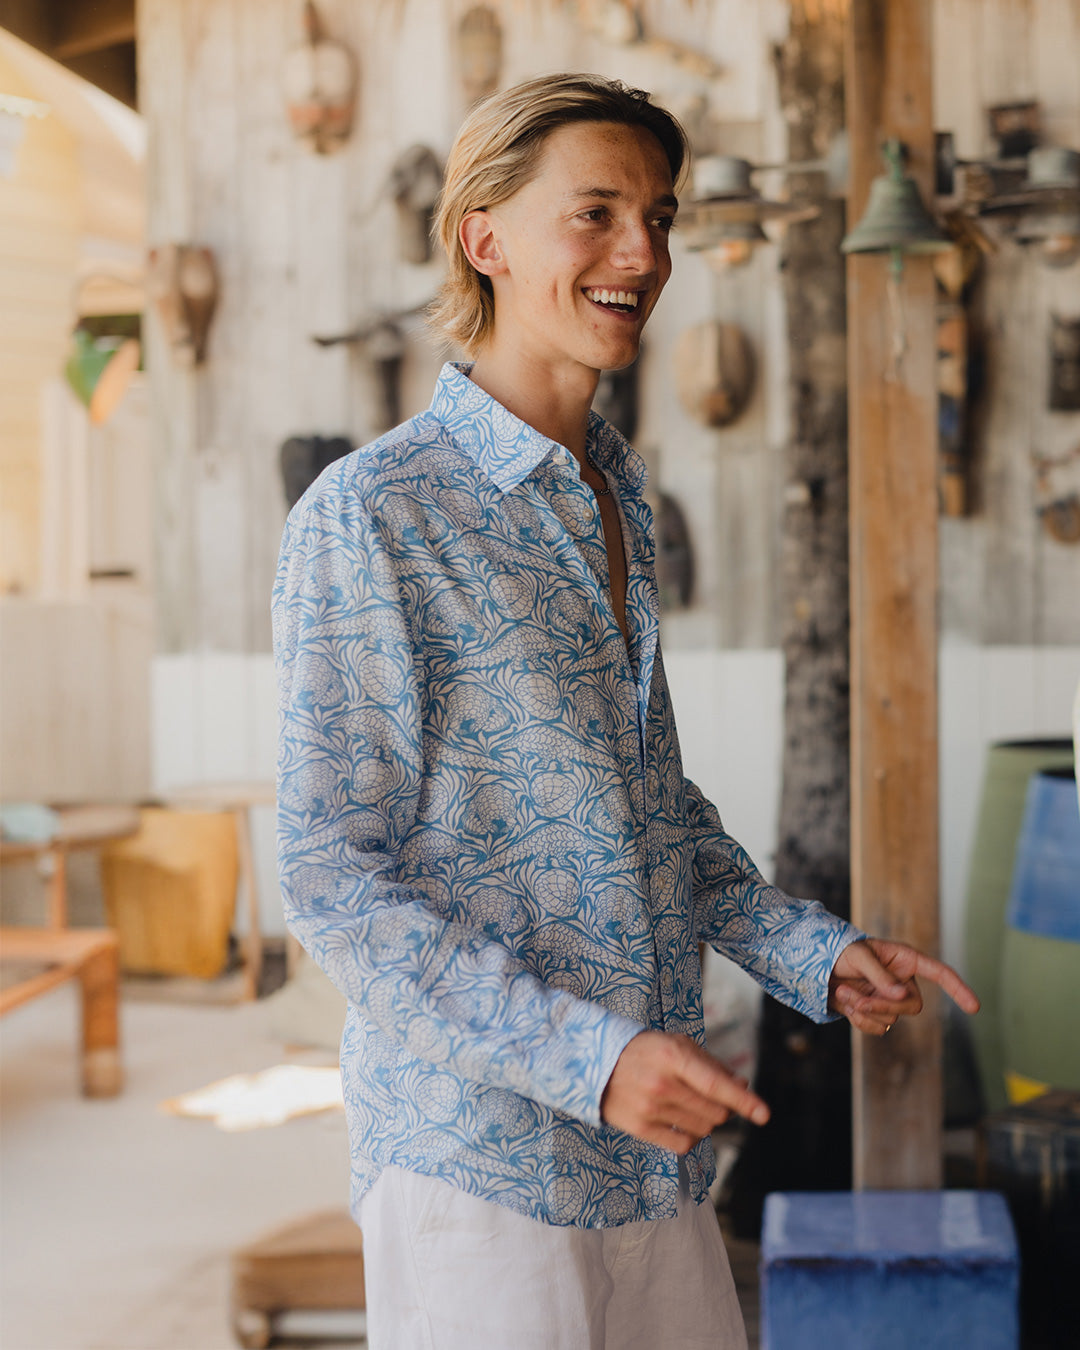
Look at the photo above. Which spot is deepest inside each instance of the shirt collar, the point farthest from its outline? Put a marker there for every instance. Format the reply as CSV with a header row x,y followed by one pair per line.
x,y
508,449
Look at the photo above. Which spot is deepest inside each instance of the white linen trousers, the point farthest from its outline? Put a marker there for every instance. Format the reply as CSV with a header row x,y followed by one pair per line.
x,y
446,1270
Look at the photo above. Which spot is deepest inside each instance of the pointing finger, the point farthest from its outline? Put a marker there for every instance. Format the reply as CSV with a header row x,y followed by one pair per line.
x,y
702,1073
947,979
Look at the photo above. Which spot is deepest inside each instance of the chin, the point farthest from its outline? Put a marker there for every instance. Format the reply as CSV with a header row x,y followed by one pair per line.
x,y
616,358
621,363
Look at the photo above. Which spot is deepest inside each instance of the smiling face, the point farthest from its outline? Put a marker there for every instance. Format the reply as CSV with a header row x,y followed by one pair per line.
x,y
578,256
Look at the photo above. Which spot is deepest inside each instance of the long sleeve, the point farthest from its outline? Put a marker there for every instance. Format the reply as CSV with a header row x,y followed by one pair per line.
x,y
789,946
350,774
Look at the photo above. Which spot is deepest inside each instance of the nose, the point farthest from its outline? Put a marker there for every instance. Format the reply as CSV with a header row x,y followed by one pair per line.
x,y
638,248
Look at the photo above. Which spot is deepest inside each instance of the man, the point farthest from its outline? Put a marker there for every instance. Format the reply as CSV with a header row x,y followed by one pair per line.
x,y
486,837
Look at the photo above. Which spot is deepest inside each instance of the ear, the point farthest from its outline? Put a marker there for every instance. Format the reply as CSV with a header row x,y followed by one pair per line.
x,y
480,242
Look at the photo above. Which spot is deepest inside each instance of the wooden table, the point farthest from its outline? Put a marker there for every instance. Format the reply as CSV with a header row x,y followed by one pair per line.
x,y
79,827
238,798
57,953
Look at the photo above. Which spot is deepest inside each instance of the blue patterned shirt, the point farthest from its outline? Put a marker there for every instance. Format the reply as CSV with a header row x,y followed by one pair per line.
x,y
485,835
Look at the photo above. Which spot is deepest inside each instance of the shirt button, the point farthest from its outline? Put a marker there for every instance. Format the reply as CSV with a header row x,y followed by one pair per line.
x,y
665,981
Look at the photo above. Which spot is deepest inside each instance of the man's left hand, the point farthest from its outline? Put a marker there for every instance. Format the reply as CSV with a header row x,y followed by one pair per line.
x,y
874,983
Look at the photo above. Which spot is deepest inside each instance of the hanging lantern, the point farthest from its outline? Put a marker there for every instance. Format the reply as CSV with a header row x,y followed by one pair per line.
x,y
319,81
724,217
896,221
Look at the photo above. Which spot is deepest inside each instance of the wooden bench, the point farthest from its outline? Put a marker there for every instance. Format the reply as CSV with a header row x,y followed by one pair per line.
x,y
57,953
91,956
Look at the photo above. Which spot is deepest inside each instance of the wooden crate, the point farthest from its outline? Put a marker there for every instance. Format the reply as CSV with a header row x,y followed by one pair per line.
x,y
313,1263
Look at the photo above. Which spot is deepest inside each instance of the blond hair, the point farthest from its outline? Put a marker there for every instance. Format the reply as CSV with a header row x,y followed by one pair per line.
x,y
498,151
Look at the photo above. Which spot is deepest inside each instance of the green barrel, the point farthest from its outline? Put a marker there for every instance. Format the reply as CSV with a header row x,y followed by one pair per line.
x,y
1040,958
1009,766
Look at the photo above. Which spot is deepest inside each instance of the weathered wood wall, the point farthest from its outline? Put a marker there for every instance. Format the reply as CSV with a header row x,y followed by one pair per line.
x,y
1004,580
306,246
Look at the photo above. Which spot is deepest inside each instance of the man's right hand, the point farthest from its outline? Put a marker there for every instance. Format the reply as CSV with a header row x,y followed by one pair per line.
x,y
666,1090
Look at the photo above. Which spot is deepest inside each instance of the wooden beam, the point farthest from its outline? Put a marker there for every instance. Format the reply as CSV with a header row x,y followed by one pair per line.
x,y
79,28
111,69
897,1091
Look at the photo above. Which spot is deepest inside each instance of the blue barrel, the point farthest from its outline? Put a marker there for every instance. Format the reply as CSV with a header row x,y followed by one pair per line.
x,y
1040,966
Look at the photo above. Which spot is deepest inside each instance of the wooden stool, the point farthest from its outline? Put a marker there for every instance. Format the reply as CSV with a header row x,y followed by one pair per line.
x,y
91,956
314,1263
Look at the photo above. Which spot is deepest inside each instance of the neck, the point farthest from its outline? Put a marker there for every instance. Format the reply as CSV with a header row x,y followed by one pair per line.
x,y
554,401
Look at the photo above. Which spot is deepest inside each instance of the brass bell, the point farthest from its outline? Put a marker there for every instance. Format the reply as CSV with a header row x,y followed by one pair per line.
x,y
895,220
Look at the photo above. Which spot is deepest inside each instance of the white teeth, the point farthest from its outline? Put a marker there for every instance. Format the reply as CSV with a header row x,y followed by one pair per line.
x,y
602,297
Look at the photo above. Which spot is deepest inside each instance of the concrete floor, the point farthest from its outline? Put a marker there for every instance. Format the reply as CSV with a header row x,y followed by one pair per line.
x,y
117,1220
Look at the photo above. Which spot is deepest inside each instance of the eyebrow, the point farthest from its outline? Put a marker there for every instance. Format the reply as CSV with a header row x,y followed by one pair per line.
x,y
613,194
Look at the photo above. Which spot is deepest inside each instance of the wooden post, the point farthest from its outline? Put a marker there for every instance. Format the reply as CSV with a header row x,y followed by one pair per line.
x,y
897,1091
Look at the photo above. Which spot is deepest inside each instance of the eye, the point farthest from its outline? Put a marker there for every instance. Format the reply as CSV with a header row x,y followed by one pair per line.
x,y
665,223
594,214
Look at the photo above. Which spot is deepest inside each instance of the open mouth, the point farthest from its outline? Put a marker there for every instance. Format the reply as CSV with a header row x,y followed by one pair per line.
x,y
621,302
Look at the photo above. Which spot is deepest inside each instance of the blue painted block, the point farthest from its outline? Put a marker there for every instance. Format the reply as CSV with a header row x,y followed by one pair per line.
x,y
895,1270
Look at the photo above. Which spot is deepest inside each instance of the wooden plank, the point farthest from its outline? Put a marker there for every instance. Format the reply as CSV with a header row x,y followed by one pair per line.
x,y
219,499
163,50
1002,31
957,106
267,319
897,1095
1054,34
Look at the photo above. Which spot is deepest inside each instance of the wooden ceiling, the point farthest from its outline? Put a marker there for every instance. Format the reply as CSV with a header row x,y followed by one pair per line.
x,y
94,38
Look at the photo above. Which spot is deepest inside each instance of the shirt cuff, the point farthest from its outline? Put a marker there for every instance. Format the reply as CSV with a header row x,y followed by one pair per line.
x,y
587,1058
837,934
